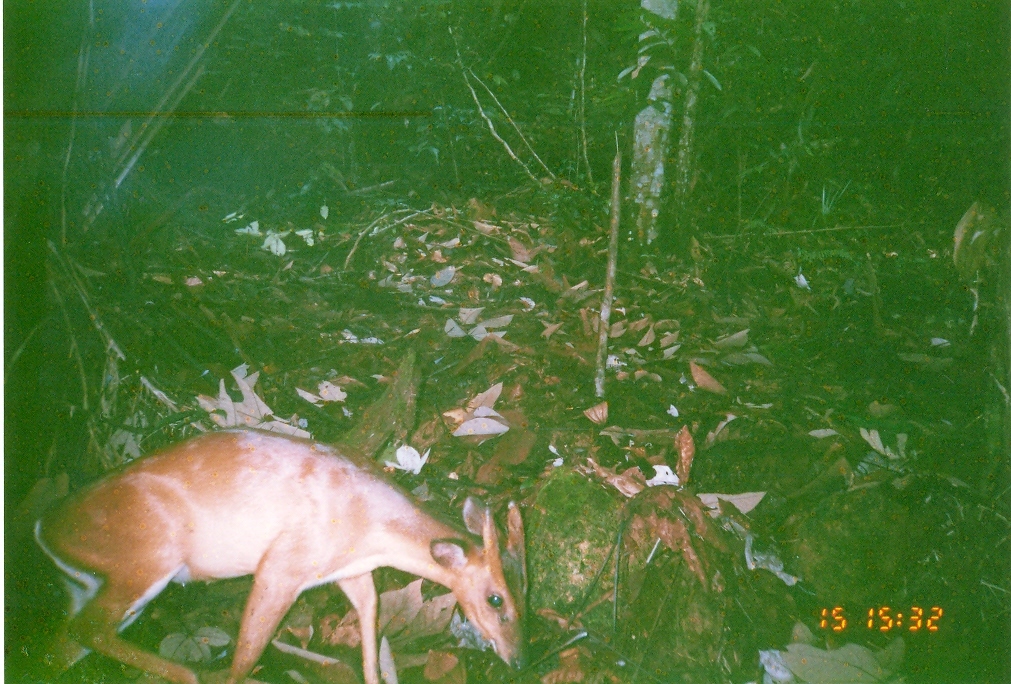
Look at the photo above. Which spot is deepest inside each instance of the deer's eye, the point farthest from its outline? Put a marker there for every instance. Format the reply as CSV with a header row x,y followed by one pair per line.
x,y
495,601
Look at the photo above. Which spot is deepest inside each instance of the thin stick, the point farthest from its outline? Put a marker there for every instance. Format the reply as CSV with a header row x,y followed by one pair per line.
x,y
582,98
480,110
96,321
612,270
83,58
509,118
152,131
374,224
74,350
125,166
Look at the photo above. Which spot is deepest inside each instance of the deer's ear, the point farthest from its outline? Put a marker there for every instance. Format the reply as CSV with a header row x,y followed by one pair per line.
x,y
449,553
474,514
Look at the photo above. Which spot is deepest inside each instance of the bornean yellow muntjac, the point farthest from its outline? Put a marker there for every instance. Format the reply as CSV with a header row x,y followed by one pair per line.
x,y
292,513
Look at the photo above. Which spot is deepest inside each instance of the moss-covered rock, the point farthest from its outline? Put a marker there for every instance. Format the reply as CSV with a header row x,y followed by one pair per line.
x,y
570,530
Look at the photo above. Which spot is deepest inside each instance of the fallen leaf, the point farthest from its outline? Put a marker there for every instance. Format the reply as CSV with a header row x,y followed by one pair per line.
x,y
486,398
344,631
745,502
569,669
686,454
453,329
704,380
519,251
476,427
597,414
399,607
549,329
486,228
629,483
737,340
470,316
617,330
443,277
433,618
648,338
331,392
309,397
387,668
439,664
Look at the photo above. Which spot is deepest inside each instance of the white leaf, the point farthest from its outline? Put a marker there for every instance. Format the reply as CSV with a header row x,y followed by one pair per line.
x,y
387,669
331,392
528,304
309,397
480,426
443,277
274,244
823,433
308,235
409,459
324,211
453,329
664,476
470,316
673,411
498,321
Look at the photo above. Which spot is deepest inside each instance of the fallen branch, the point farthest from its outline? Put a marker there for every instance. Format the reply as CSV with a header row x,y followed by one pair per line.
x,y
480,110
509,118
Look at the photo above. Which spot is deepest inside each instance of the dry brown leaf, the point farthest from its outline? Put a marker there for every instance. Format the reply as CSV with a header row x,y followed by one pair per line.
x,y
439,664
686,453
704,380
669,338
519,250
344,631
597,414
549,329
486,398
636,326
648,338
486,228
617,330
399,607
433,618
554,616
629,483
569,669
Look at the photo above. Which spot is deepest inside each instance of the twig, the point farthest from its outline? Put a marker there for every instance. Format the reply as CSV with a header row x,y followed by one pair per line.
x,y
156,113
110,343
150,131
480,109
790,233
582,98
375,223
377,186
75,351
509,118
83,58
612,270
159,395
12,361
